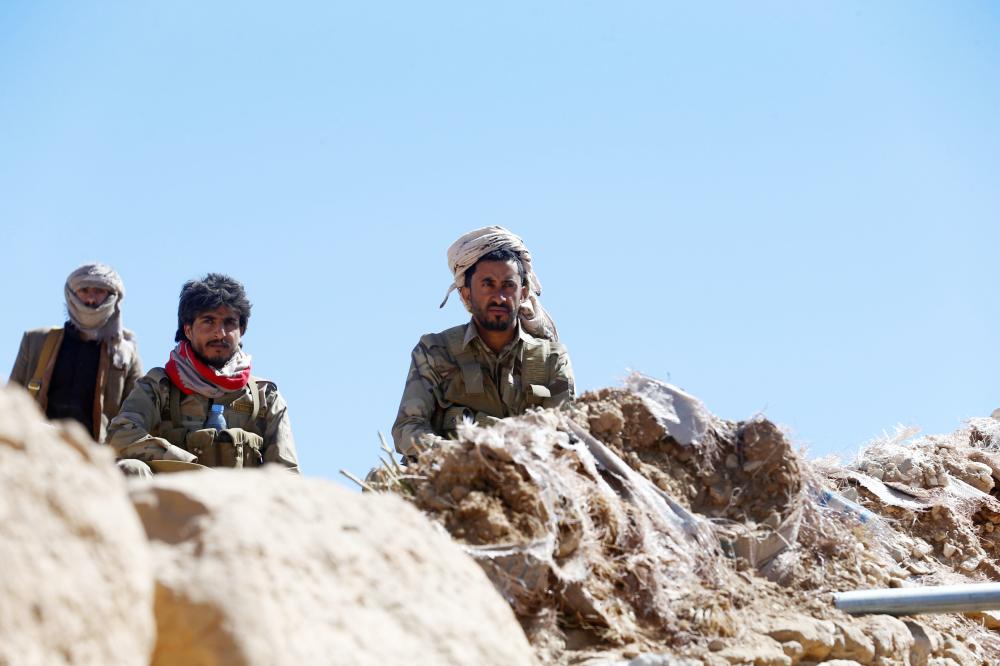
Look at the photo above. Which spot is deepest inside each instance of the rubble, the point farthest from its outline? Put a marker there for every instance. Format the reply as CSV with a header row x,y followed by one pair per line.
x,y
634,524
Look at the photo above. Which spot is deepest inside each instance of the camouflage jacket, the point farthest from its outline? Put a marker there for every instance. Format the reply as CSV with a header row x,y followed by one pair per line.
x,y
147,413
454,375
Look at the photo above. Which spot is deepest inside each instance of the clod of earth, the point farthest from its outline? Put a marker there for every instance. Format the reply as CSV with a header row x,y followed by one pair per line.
x,y
635,526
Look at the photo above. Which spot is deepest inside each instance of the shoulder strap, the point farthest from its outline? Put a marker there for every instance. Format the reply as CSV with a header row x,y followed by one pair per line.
x,y
255,396
534,363
454,337
175,406
171,426
472,371
170,411
48,348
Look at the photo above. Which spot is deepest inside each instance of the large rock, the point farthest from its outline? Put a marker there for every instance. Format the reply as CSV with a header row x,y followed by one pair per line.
x,y
817,637
757,650
258,567
852,644
891,637
76,585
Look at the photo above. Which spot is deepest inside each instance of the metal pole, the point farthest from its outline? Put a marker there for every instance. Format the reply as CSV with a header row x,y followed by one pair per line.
x,y
921,600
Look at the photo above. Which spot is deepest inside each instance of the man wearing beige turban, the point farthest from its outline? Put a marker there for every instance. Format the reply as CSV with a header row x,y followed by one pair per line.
x,y
504,361
84,369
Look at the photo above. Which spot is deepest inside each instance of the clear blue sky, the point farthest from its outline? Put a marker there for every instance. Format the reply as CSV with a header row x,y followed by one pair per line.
x,y
783,207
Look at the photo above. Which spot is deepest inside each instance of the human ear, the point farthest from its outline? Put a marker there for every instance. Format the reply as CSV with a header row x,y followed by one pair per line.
x,y
466,294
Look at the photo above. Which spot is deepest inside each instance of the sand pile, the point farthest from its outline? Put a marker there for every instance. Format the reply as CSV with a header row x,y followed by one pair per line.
x,y
635,526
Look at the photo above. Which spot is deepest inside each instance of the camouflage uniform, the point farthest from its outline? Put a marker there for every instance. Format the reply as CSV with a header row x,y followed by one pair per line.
x,y
454,374
158,409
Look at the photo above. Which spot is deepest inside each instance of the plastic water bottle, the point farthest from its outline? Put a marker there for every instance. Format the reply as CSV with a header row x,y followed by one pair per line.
x,y
845,506
216,420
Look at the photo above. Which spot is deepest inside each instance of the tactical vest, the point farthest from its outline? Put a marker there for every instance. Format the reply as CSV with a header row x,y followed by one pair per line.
x,y
173,429
534,376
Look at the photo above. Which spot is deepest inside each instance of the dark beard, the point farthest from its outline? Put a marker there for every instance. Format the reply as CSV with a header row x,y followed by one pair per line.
x,y
218,364
493,324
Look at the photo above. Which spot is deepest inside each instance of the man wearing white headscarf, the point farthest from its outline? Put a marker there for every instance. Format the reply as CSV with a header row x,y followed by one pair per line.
x,y
84,369
504,361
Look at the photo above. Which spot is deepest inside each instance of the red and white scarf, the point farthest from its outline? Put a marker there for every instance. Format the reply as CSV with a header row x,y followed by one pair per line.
x,y
192,375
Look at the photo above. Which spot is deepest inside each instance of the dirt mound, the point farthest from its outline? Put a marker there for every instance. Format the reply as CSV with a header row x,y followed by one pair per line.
x,y
936,499
635,525
577,564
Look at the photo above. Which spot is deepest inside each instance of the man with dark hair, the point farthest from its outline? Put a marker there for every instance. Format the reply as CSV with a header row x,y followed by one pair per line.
x,y
504,361
84,369
173,412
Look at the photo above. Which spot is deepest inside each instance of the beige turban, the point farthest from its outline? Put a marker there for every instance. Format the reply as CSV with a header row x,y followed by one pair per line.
x,y
470,248
103,322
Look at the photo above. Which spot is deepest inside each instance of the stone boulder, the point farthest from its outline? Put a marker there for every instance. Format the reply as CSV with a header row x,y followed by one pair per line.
x,y
76,586
259,567
817,637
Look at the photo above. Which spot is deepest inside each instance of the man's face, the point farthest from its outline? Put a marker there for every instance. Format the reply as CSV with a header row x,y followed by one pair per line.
x,y
215,335
495,294
92,296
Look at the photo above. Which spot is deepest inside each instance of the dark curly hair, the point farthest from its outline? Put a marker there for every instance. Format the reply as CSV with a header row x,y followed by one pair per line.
x,y
211,292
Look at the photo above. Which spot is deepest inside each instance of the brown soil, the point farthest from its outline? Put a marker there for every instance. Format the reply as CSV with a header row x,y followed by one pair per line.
x,y
595,572
482,499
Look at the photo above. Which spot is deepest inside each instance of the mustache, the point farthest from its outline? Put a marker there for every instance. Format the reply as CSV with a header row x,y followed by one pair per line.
x,y
219,343
499,305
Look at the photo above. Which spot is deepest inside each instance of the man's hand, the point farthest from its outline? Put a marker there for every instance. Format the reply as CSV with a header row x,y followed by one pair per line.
x,y
172,452
429,441
485,420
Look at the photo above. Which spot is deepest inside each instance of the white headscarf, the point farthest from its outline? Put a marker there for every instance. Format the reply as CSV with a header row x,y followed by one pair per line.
x,y
470,248
103,322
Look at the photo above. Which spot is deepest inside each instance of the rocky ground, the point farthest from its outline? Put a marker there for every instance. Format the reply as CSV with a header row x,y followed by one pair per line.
x,y
633,527
636,527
